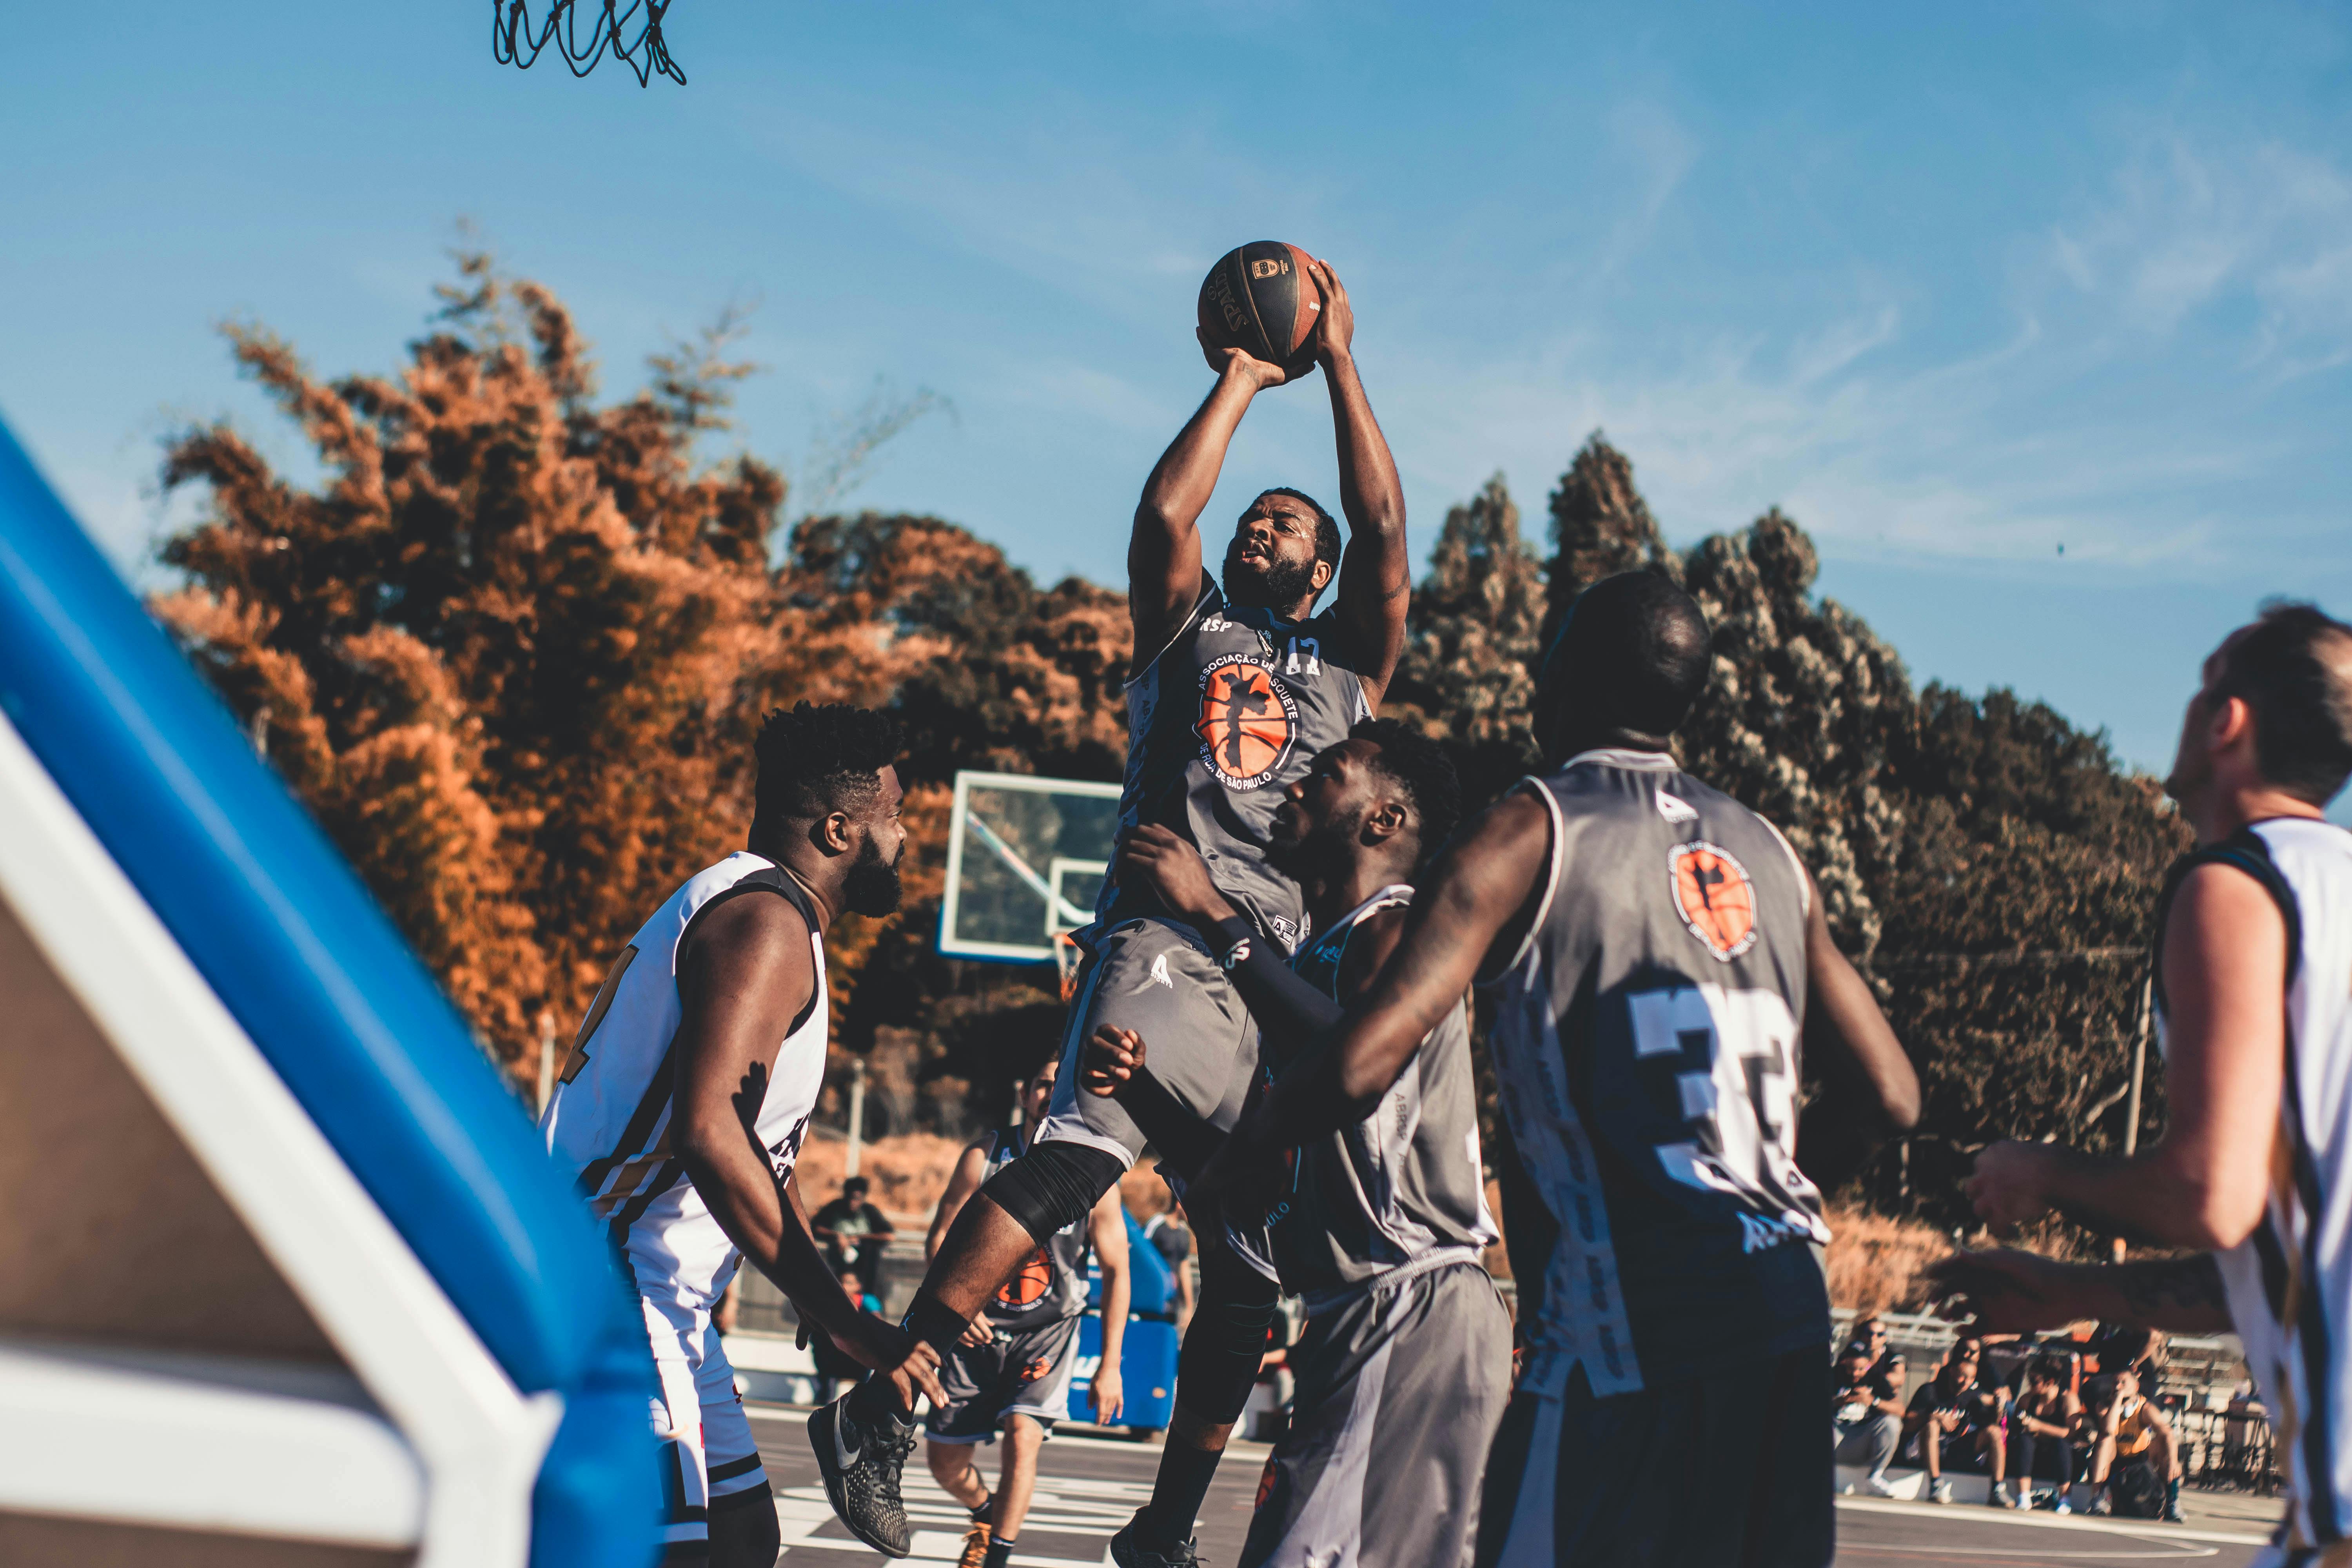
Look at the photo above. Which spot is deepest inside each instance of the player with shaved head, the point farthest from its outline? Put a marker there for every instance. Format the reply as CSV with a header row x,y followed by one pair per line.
x,y
1656,950
1235,687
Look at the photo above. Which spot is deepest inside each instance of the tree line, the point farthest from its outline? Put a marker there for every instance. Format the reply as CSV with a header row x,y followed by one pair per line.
x,y
512,645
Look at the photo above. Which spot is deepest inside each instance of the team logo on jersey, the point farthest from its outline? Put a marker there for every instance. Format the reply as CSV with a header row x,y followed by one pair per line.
x,y
1715,896
1249,722
1028,1286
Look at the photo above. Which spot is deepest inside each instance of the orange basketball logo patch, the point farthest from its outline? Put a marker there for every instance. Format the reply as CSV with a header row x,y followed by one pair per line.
x,y
1248,722
1028,1286
1715,896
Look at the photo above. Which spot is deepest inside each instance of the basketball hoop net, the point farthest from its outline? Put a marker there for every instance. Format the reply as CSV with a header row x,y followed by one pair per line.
x,y
514,42
1065,961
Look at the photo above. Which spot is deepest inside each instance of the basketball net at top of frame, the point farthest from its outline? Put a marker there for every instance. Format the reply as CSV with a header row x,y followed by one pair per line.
x,y
514,41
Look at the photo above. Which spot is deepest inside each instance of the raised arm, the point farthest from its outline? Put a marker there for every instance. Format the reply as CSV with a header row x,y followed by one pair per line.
x,y
744,977
1376,573
1163,555
1869,1089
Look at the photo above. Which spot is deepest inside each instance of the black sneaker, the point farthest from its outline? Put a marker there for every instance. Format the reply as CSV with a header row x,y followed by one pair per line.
x,y
861,1465
1127,1550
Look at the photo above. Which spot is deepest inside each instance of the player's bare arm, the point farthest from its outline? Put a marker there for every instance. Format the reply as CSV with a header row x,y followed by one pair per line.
x,y
1163,554
2203,1185
1107,1233
743,979
2008,1291
1376,575
1869,1090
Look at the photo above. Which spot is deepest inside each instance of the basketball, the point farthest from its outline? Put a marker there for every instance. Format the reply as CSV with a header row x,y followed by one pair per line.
x,y
1260,298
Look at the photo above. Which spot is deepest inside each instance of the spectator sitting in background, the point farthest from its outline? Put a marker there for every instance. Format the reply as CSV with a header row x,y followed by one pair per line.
x,y
1955,1416
1886,1361
854,1232
1166,1231
2042,1424
2135,1459
834,1366
1867,1418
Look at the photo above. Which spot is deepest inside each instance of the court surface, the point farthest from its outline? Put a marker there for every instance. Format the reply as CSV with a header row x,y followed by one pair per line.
x,y
1088,1488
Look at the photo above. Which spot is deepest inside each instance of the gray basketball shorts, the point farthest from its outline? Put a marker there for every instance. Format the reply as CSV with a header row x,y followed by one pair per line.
x,y
1155,978
1400,1390
1020,1372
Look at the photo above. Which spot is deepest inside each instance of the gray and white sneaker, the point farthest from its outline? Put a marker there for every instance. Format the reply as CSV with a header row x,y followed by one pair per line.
x,y
1939,1491
861,1464
1127,1550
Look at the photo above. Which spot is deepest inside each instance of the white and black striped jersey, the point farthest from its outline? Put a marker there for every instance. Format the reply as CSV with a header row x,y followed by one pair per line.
x,y
2290,1283
1646,1053
611,1122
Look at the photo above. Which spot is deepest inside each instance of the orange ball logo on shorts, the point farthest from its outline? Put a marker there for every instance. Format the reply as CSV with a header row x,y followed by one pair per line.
x,y
1248,722
1715,896
1028,1286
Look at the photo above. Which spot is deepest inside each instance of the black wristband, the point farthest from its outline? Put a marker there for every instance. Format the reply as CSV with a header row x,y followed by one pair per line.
x,y
935,1323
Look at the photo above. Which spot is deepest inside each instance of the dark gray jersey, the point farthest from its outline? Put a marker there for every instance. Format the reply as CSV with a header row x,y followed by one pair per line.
x,y
1051,1283
1228,713
1647,1050
1403,1185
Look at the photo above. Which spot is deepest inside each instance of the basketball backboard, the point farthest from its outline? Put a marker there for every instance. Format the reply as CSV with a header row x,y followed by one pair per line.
x,y
1025,859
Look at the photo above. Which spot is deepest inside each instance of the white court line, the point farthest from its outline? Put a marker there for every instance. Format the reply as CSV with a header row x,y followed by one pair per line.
x,y
1978,1514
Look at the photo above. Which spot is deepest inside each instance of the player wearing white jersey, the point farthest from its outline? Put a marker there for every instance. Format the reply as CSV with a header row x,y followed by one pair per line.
x,y
2253,985
683,1103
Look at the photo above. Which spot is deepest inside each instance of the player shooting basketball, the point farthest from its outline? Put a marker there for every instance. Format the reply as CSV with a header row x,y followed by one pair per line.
x,y
1234,690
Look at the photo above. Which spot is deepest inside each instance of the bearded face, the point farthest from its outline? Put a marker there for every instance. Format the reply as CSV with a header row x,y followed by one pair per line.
x,y
1257,573
1302,846
871,887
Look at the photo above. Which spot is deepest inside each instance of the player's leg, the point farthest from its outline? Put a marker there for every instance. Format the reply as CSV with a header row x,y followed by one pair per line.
x,y
678,1342
743,1528
1016,1483
1407,1381
977,1387
1042,1361
1216,1368
1146,976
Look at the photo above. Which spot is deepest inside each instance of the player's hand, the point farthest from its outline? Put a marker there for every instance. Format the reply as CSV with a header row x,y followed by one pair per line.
x,y
2008,1186
1163,861
1113,1056
1231,362
911,1365
1335,328
1109,1394
977,1333
2009,1291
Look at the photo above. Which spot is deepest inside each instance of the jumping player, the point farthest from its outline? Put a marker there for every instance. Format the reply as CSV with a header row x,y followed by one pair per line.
x,y
1011,1371
2253,996
1654,946
1404,1366
1233,691
685,1098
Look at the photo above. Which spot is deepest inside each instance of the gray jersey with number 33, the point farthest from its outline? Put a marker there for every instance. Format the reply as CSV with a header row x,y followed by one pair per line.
x,y
1646,1047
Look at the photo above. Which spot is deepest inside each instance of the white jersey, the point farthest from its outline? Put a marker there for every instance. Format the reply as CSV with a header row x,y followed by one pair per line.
x,y
2290,1283
611,1121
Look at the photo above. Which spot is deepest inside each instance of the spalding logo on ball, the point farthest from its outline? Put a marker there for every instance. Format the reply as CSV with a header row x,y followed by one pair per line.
x,y
1260,298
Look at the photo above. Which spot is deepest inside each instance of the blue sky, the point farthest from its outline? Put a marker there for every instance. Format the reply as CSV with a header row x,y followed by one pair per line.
x,y
1954,289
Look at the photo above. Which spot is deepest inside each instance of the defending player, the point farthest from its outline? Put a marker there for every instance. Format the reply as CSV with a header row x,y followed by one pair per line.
x,y
2253,996
1655,945
1405,1363
686,1093
1011,1371
1233,691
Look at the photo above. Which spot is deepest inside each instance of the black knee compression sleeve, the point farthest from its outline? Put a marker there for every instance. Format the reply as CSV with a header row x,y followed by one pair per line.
x,y
1053,1185
1226,1339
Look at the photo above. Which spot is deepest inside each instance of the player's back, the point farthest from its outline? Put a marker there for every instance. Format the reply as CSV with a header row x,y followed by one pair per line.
x,y
2290,1283
1646,1049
